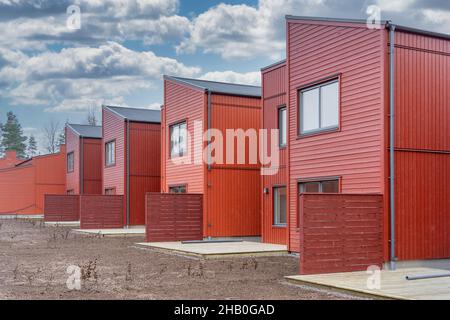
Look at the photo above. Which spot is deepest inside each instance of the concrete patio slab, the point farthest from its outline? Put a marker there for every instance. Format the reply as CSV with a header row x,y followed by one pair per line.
x,y
219,249
134,231
393,284
22,216
63,224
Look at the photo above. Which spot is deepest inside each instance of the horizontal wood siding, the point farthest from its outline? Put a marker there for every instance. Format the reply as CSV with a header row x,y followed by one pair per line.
x,y
73,145
61,208
101,212
274,95
174,217
340,232
182,103
318,50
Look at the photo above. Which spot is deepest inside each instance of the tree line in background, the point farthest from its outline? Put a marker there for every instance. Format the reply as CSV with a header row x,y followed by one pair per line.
x,y
12,136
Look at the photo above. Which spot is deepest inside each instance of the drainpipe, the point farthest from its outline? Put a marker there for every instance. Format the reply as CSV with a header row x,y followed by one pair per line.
x,y
207,128
128,173
81,165
392,140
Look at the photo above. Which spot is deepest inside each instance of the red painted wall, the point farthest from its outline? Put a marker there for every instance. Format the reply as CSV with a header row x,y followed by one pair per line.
x,y
182,103
23,187
274,82
317,50
145,167
422,146
73,145
92,168
101,212
60,208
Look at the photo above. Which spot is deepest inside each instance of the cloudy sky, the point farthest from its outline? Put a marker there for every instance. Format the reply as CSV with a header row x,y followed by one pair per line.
x,y
118,56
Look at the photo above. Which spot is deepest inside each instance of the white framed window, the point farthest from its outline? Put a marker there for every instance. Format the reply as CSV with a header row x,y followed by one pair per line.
x,y
70,162
319,108
319,186
178,140
282,125
110,153
279,206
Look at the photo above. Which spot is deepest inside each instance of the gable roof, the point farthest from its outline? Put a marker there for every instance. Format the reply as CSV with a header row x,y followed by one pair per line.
x,y
136,115
86,131
220,87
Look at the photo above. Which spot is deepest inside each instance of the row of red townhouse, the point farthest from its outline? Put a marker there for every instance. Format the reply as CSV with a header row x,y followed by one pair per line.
x,y
364,145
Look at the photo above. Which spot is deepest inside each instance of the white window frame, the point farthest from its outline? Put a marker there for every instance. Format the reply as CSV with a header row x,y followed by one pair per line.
x,y
110,153
277,215
282,126
182,151
320,129
70,162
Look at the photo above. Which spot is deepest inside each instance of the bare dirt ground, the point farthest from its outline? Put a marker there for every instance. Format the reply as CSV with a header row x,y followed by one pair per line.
x,y
34,260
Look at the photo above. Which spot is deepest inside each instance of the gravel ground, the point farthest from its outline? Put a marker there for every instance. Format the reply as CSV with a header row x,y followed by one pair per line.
x,y
34,260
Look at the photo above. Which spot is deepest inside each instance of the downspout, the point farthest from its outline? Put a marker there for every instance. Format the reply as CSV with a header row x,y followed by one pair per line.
x,y
208,131
81,165
128,173
392,141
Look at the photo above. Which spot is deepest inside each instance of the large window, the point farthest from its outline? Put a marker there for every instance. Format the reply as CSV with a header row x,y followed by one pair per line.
x,y
282,126
110,153
325,186
279,206
178,140
178,189
70,162
319,108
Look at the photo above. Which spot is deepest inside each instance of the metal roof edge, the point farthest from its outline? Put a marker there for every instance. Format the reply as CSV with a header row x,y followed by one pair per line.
x,y
180,81
274,65
422,32
69,125
328,19
113,111
125,118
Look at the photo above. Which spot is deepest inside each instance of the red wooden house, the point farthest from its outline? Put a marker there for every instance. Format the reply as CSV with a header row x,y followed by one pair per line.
x,y
131,154
231,191
84,159
364,105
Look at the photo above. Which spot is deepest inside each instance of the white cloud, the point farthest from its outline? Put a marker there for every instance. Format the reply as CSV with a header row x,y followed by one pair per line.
x,y
394,5
250,78
71,79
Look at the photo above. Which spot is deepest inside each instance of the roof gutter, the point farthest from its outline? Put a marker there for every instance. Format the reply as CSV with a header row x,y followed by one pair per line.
x,y
392,142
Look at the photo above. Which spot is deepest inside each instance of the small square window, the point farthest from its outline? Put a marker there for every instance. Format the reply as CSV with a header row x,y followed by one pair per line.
x,y
319,108
177,189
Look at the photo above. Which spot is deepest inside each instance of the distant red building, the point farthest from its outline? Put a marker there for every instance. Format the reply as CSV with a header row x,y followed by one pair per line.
x,y
9,160
131,156
84,159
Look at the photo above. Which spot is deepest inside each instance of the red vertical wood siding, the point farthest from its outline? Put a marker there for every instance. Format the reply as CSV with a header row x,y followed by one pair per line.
x,y
422,127
340,232
145,167
73,145
233,196
182,103
274,96
92,166
317,50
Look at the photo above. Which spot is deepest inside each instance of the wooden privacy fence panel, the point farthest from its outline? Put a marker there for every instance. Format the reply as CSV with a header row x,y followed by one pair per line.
x,y
101,212
173,217
61,208
340,232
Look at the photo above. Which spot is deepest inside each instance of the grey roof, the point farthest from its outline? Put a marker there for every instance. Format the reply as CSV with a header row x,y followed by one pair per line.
x,y
137,115
274,65
220,87
86,131
387,23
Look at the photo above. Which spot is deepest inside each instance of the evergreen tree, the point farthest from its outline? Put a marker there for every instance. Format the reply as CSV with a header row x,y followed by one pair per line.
x,y
32,147
12,135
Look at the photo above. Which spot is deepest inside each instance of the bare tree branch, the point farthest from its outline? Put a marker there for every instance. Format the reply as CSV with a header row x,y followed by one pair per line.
x,y
51,130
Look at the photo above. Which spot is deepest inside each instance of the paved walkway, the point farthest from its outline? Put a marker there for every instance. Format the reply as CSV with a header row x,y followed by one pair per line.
x,y
393,284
